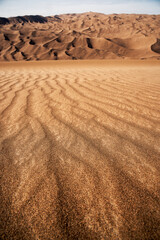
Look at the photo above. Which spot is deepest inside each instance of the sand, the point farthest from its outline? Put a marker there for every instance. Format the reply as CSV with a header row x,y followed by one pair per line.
x,y
80,36
80,150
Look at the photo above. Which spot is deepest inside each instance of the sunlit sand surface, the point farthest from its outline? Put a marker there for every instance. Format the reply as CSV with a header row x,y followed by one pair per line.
x,y
80,36
80,150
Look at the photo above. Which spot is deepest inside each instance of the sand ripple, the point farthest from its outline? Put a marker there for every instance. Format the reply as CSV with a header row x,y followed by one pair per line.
x,y
79,152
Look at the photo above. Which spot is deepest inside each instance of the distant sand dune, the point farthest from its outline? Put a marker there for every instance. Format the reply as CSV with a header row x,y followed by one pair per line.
x,y
80,150
80,36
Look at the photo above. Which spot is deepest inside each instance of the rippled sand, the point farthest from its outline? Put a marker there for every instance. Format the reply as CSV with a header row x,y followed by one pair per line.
x,y
80,150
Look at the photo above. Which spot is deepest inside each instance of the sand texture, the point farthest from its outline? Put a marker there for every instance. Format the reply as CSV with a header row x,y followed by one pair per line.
x,y
80,36
80,150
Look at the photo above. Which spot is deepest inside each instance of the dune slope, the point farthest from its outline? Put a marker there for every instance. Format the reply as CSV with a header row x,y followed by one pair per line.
x,y
80,151
79,36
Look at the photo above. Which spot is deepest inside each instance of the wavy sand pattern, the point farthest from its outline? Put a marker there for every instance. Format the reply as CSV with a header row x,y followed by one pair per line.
x,y
80,151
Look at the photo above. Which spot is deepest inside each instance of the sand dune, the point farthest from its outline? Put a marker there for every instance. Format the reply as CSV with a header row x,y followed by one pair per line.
x,y
80,150
79,36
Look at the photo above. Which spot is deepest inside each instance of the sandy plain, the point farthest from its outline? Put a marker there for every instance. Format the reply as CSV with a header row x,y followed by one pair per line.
x,y
80,150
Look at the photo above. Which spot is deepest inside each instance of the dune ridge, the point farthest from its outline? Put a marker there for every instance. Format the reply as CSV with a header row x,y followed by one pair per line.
x,y
79,150
79,36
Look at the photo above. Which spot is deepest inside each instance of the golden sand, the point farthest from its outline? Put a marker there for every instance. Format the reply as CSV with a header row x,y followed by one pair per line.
x,y
80,150
80,36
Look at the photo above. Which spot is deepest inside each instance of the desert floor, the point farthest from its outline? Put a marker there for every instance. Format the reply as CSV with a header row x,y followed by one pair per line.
x,y
80,150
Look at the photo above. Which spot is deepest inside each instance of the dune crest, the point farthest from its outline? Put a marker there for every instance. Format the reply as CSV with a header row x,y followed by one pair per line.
x,y
79,36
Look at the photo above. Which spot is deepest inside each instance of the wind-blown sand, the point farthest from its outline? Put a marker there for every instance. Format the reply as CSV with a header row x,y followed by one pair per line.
x,y
80,150
80,36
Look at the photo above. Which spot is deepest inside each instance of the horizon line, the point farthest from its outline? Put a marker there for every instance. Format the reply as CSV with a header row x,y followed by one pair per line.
x,y
124,13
